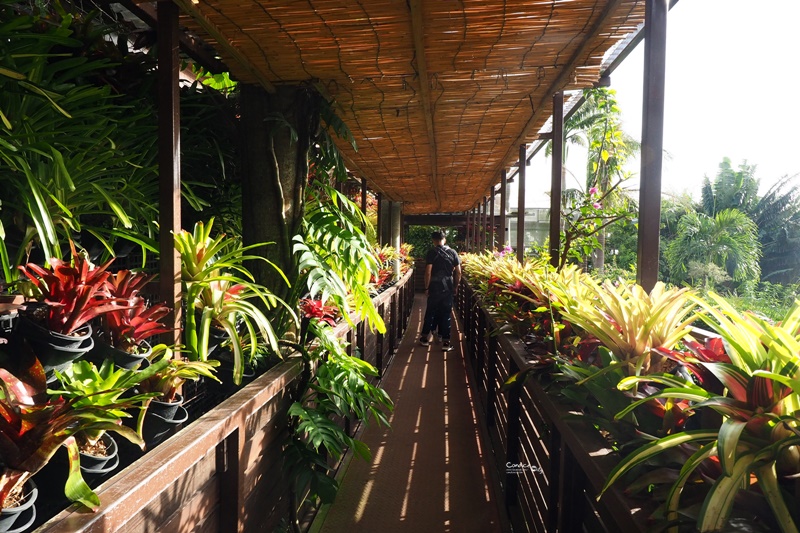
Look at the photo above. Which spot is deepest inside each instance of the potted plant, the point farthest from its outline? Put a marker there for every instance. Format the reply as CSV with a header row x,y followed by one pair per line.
x,y
33,426
103,387
163,410
223,294
71,296
126,328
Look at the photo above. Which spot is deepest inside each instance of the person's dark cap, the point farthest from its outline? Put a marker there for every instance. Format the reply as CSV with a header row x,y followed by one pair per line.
x,y
437,235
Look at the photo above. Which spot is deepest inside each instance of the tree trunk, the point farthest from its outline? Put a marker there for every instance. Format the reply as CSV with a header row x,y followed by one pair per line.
x,y
275,174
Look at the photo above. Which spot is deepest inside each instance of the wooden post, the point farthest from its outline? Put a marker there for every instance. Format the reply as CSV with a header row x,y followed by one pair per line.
x,y
364,200
555,178
521,204
378,228
485,234
481,228
466,233
503,238
169,161
655,48
492,244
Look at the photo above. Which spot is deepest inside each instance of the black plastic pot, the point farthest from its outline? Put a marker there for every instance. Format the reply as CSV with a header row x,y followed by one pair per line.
x,y
165,410
121,358
97,465
158,428
225,386
54,350
19,519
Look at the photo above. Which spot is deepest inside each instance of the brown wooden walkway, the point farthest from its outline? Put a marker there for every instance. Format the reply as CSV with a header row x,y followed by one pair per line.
x,y
429,471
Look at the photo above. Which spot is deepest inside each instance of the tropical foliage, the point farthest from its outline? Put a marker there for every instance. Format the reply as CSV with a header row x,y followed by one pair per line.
x,y
628,360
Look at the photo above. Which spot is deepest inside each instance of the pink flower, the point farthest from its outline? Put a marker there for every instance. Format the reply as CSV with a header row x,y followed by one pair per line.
x,y
593,191
596,205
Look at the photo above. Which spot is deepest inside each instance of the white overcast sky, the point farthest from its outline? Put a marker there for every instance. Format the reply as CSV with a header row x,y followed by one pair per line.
x,y
731,88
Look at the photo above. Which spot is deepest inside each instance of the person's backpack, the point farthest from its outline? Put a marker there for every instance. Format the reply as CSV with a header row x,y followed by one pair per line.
x,y
443,265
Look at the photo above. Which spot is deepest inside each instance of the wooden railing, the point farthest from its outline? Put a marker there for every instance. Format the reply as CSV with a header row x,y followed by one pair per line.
x,y
223,472
551,466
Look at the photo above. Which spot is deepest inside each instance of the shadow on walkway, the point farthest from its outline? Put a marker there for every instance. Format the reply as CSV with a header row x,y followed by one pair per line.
x,y
428,472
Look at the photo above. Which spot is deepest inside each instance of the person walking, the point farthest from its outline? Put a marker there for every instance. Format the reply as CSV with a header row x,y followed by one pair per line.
x,y
442,276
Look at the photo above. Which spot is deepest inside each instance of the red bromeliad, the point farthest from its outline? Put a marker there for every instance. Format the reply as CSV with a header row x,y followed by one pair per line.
x,y
75,294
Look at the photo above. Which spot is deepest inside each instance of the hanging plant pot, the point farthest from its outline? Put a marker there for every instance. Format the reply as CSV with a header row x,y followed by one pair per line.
x,y
97,465
54,350
216,337
121,358
20,518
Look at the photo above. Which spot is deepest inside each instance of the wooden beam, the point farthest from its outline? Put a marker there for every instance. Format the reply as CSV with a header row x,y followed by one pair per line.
x,y
169,162
418,33
193,47
521,205
655,53
555,178
562,79
193,10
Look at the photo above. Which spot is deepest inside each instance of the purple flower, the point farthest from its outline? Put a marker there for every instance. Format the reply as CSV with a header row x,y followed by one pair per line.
x,y
596,205
593,191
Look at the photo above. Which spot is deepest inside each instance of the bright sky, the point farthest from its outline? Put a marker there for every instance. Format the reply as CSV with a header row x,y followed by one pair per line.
x,y
730,78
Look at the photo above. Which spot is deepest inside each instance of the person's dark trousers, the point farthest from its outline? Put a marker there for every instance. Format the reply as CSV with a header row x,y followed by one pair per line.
x,y
437,314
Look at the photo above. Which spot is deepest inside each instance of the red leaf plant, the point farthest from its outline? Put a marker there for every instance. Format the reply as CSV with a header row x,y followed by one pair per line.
x,y
315,309
127,326
33,426
74,294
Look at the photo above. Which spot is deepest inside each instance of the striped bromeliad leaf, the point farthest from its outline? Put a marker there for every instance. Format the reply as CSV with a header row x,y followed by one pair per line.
x,y
652,449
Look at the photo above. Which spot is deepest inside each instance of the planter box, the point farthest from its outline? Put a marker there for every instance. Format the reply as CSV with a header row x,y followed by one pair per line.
x,y
551,465
223,472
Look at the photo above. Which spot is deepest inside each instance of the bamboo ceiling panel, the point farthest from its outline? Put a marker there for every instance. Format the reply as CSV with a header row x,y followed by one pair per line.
x,y
491,68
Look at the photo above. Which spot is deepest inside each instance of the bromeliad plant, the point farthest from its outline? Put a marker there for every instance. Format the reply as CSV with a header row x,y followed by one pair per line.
x,y
127,327
89,386
630,322
34,425
222,293
758,440
75,294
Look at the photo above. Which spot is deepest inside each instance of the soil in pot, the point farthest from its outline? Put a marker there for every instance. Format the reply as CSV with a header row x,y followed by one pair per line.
x,y
101,458
20,516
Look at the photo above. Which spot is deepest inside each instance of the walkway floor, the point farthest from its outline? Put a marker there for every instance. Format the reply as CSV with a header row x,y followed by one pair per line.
x,y
428,472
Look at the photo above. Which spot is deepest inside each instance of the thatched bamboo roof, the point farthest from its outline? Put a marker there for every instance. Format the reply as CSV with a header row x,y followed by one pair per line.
x,y
439,94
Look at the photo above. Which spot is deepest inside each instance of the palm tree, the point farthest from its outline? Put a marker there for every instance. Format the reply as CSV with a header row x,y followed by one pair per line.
x,y
728,240
776,213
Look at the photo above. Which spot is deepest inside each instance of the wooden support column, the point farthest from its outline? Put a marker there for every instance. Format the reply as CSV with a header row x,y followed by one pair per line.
x,y
378,235
555,178
481,227
485,234
364,200
521,204
655,48
169,161
503,237
492,244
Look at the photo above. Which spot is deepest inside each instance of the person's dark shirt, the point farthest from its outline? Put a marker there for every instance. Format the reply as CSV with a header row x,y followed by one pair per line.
x,y
443,260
